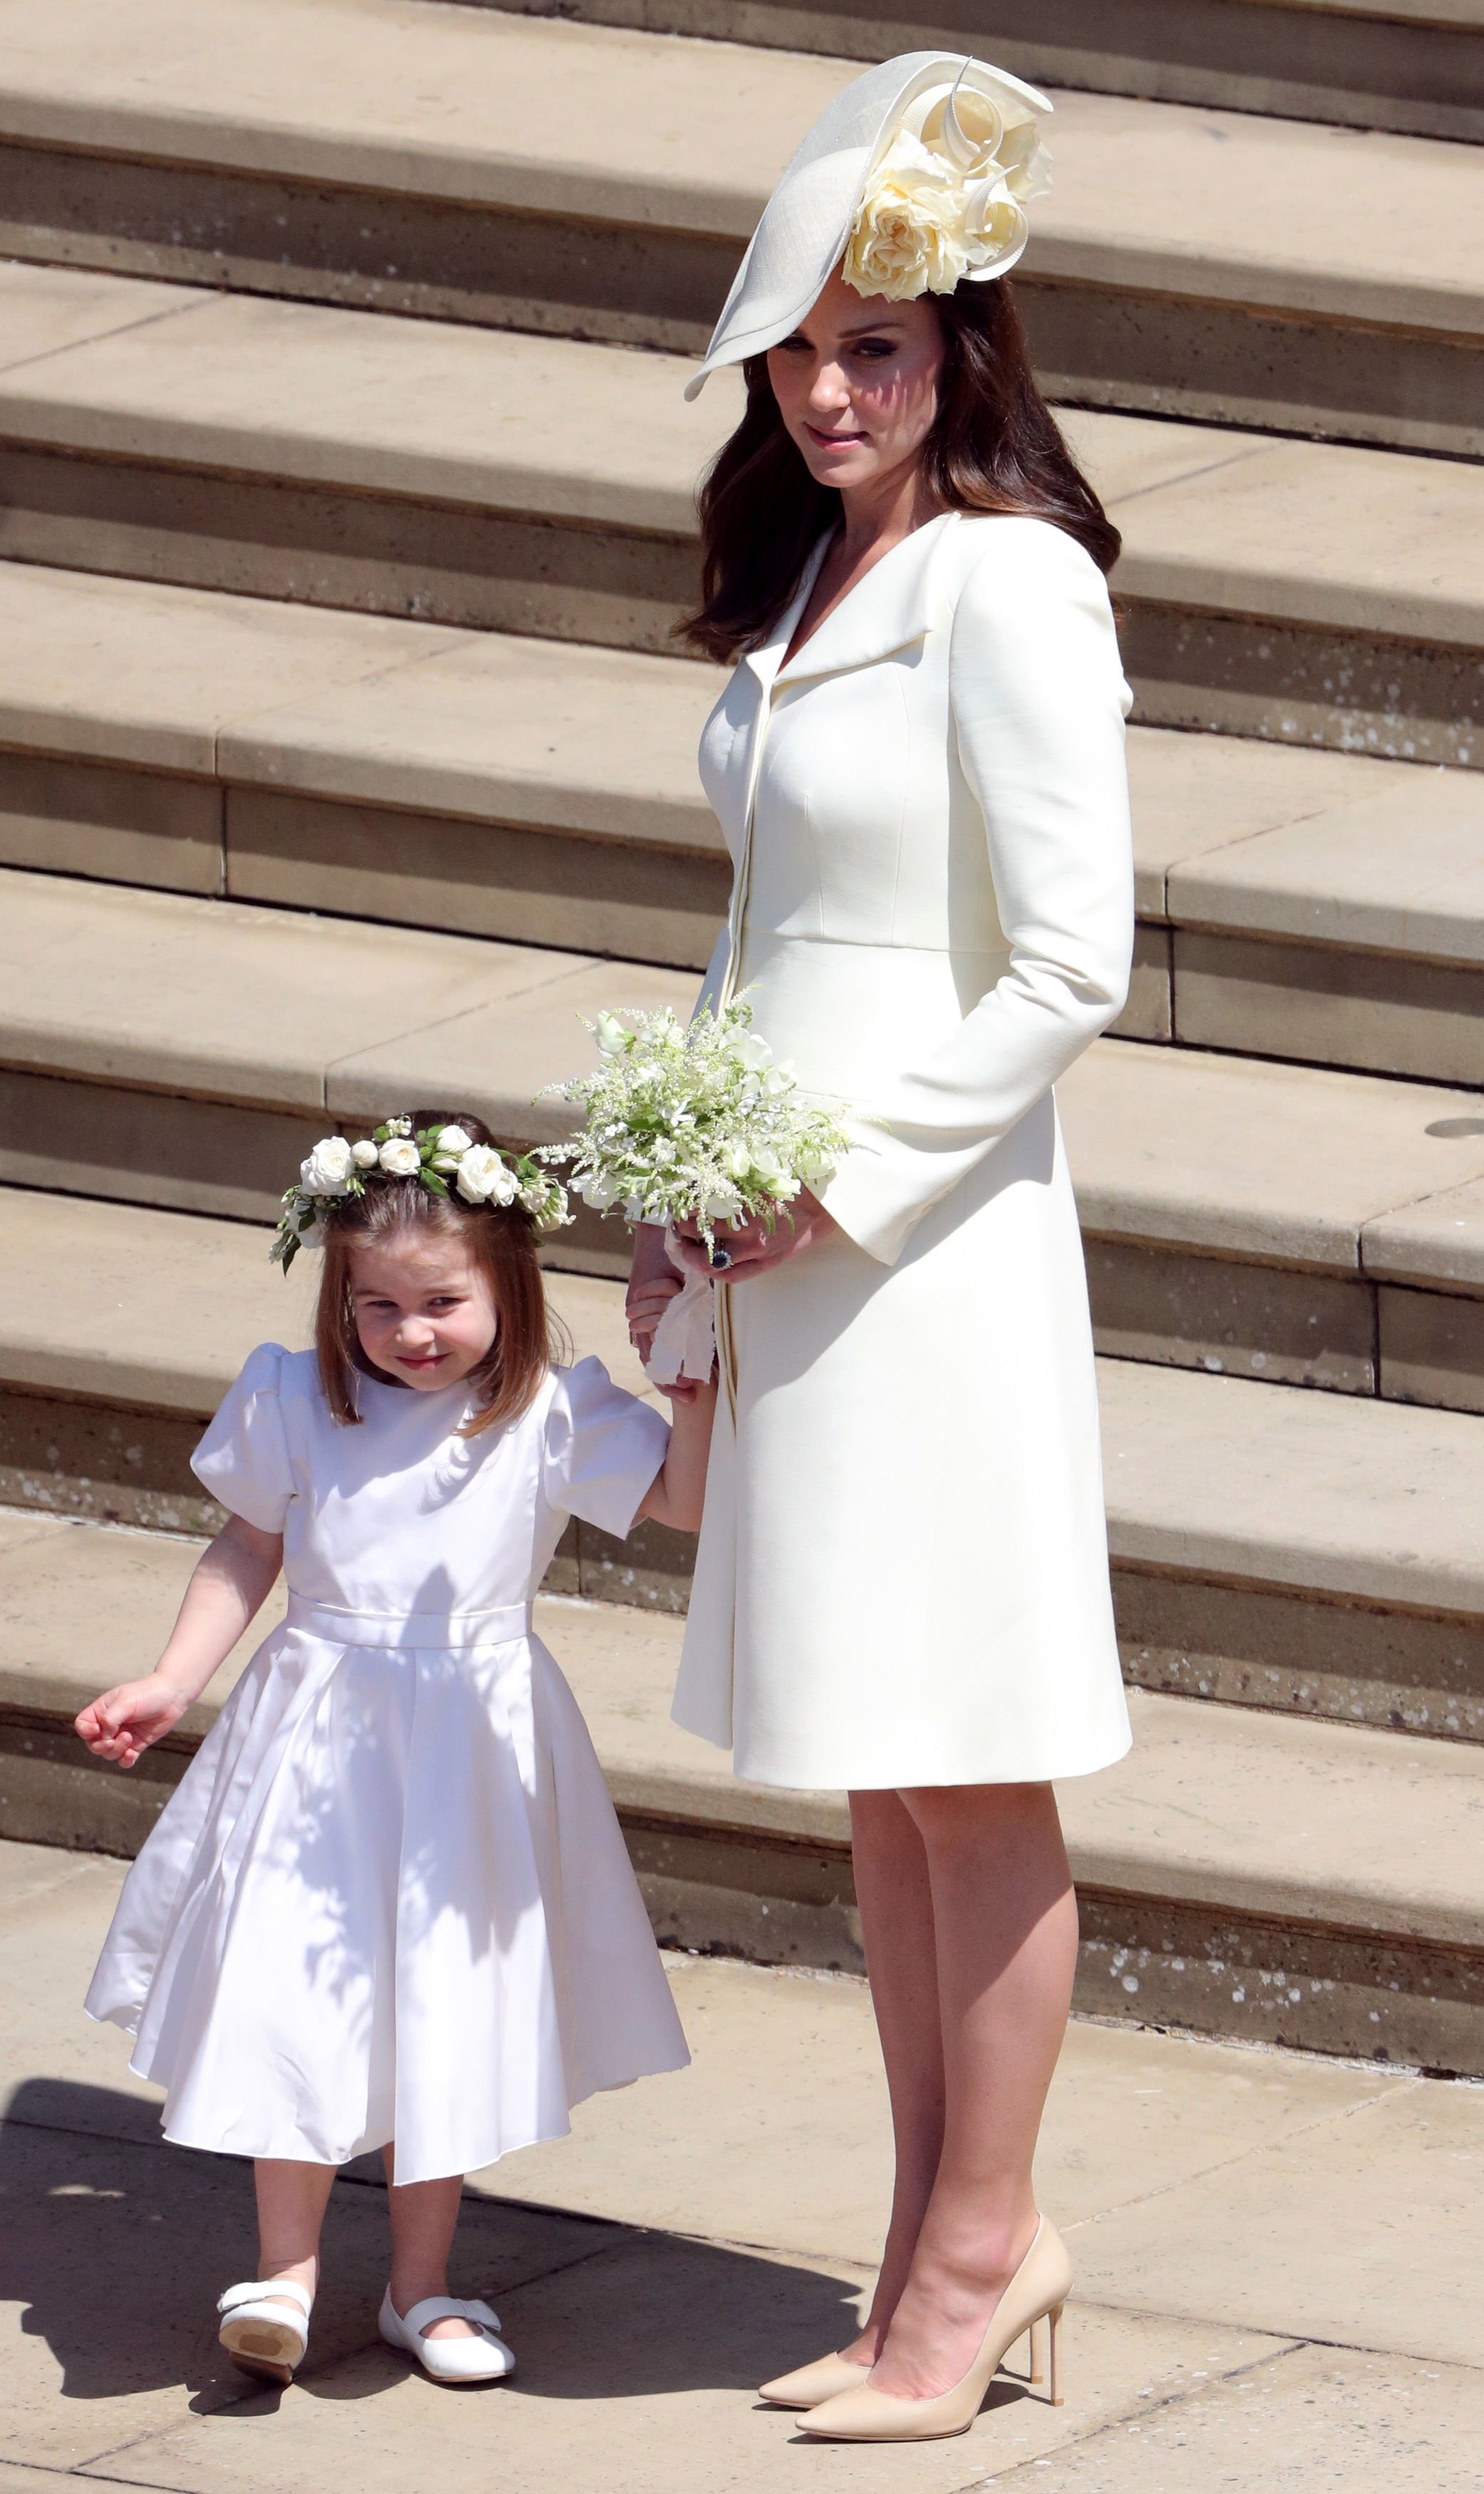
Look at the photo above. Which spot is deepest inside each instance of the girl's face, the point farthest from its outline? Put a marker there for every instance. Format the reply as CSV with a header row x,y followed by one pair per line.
x,y
424,1309
857,386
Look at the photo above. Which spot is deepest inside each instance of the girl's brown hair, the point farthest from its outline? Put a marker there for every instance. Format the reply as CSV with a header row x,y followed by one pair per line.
x,y
994,446
503,1240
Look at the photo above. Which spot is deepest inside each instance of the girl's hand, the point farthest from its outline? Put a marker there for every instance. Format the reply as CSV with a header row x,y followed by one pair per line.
x,y
757,1249
652,1283
127,1720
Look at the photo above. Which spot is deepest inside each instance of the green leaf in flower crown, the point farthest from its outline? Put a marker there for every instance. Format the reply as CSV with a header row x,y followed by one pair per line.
x,y
435,1184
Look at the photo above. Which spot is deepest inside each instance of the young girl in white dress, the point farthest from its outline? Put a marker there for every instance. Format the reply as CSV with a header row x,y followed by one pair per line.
x,y
389,1905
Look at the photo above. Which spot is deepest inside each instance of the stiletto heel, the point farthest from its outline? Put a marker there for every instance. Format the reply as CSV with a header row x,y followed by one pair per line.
x,y
1054,2365
1033,2372
1037,2291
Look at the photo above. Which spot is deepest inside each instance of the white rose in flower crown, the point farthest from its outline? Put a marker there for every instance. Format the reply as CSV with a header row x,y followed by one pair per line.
x,y
327,1170
400,1157
364,1155
452,1140
908,237
485,1177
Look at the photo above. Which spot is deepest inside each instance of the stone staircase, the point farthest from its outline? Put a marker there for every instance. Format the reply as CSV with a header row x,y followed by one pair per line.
x,y
344,761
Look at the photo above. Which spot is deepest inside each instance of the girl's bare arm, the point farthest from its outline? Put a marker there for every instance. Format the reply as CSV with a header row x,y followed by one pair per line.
x,y
230,1584
677,1494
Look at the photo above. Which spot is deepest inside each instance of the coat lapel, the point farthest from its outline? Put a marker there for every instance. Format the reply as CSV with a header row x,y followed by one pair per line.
x,y
891,608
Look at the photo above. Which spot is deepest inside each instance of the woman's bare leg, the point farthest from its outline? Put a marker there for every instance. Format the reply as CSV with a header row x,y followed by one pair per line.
x,y
424,2215
292,2200
1004,1923
897,1922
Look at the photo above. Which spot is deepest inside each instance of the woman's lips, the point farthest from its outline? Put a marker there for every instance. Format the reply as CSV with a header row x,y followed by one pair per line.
x,y
833,441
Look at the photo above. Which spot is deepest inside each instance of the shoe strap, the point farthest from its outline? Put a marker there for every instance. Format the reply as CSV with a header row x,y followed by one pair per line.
x,y
260,2289
445,2307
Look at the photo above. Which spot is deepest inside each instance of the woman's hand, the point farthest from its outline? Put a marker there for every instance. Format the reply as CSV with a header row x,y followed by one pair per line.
x,y
125,1721
757,1249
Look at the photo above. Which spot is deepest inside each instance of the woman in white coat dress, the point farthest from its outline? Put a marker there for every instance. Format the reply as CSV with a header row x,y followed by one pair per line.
x,y
902,1583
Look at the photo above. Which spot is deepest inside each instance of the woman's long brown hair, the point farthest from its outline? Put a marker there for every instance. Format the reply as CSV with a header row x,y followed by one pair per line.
x,y
994,446
503,1241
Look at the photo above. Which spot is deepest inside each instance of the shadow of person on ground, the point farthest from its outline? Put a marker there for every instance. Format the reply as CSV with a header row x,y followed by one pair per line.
x,y
117,2251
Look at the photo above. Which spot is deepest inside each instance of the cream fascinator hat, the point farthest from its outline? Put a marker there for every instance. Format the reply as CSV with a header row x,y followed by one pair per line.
x,y
916,175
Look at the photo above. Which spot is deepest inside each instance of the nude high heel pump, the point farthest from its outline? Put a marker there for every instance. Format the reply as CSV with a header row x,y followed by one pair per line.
x,y
1037,2291
812,2384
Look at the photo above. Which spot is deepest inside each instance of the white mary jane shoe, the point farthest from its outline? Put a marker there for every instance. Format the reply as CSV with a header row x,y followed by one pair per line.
x,y
259,2333
485,2359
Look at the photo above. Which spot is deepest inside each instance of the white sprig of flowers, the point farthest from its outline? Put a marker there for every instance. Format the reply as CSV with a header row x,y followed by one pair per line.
x,y
694,1120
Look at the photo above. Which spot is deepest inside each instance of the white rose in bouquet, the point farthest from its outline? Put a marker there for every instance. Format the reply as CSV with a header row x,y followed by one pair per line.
x,y
485,1177
327,1170
400,1157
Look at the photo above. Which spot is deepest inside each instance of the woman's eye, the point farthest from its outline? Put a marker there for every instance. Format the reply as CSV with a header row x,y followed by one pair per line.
x,y
874,350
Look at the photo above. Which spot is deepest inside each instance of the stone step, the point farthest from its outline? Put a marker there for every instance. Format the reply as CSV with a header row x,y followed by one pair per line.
x,y
1379,64
1287,1223
378,152
1294,1883
1309,905
1313,1555
1307,593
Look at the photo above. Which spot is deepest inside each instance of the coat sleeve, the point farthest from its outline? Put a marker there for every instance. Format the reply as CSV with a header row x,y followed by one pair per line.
x,y
1038,702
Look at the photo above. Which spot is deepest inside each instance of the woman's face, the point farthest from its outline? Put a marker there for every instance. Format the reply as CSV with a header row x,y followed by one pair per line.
x,y
857,386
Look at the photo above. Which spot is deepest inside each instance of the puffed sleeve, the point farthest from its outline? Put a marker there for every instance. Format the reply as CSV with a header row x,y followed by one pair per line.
x,y
1038,706
243,1459
604,1447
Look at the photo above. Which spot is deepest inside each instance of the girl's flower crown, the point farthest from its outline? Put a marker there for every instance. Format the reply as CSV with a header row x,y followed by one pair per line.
x,y
946,196
480,1174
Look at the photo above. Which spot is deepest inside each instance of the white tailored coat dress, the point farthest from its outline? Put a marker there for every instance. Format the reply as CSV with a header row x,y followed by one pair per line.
x,y
390,1899
902,1575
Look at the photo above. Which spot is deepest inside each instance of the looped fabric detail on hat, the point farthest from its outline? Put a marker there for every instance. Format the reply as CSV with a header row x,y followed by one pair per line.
x,y
917,176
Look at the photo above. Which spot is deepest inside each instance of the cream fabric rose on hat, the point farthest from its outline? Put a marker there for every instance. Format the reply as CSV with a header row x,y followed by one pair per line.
x,y
910,236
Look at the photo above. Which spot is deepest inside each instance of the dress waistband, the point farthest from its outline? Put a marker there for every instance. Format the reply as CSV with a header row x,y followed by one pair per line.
x,y
413,1630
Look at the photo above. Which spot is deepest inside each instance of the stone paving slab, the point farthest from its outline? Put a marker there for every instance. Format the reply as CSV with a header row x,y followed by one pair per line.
x,y
1400,870
493,728
180,993
143,672
172,993
1314,533
1312,2417
659,133
1223,2205
1227,1807
1288,1163
1376,1502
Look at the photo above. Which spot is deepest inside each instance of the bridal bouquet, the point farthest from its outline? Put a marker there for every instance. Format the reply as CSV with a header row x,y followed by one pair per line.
x,y
694,1121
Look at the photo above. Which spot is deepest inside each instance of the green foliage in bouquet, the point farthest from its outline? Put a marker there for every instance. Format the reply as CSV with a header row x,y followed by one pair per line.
x,y
694,1121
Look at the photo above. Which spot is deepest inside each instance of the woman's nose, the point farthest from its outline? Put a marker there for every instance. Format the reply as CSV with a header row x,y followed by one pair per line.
x,y
828,390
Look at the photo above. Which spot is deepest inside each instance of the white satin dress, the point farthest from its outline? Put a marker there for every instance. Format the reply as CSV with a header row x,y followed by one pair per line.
x,y
902,1575
390,1899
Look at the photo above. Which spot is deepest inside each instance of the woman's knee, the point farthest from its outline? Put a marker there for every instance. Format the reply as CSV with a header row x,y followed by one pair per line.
x,y
982,1815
